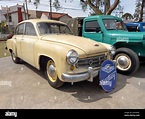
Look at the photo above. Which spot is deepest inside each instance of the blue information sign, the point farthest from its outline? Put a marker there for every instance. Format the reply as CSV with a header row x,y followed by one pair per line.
x,y
108,75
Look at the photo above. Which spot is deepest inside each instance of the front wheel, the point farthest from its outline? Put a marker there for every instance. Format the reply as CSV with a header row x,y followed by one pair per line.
x,y
51,75
15,58
127,61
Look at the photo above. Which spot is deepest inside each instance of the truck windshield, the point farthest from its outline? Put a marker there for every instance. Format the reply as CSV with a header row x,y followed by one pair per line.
x,y
113,24
53,28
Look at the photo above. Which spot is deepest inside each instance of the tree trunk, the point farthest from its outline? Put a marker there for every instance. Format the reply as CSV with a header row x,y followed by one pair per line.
x,y
108,9
112,7
95,8
106,6
141,12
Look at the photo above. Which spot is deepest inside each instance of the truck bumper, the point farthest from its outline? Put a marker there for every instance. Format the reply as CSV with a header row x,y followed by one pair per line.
x,y
89,75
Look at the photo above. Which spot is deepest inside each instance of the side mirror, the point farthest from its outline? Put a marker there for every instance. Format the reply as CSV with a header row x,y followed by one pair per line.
x,y
98,29
10,36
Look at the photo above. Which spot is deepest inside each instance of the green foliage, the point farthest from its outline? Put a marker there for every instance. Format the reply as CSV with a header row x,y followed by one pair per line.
x,y
3,27
56,4
137,9
127,16
98,3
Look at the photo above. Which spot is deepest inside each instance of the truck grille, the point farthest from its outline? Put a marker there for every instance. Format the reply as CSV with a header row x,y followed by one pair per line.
x,y
94,61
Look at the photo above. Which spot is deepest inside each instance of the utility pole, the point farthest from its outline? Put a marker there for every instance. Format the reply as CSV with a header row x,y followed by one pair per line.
x,y
50,11
8,17
105,7
27,9
24,11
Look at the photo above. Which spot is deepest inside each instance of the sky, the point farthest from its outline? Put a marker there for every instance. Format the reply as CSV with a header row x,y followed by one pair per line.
x,y
72,8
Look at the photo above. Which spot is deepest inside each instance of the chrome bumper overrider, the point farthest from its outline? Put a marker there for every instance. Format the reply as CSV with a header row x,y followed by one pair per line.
x,y
89,75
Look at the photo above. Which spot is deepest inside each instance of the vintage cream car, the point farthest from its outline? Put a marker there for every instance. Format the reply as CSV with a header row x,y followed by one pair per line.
x,y
51,47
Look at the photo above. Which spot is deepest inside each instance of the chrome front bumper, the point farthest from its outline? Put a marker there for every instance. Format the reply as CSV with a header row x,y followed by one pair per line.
x,y
89,75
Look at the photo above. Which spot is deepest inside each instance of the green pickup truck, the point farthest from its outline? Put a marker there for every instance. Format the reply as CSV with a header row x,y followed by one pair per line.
x,y
112,30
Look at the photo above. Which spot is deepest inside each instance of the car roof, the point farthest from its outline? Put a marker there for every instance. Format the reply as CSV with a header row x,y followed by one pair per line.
x,y
103,17
135,23
41,20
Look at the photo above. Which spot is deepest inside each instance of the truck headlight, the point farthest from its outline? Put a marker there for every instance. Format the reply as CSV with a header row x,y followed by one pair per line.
x,y
112,50
72,57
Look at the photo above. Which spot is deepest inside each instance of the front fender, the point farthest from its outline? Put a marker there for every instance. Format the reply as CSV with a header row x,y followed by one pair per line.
x,y
11,45
55,51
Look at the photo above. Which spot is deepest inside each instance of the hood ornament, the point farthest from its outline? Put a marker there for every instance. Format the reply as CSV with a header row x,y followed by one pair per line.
x,y
96,45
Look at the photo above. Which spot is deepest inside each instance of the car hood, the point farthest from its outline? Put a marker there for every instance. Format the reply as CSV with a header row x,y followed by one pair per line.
x,y
87,45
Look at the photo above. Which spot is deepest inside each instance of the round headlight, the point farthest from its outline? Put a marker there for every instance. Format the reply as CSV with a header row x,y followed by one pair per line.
x,y
112,50
72,57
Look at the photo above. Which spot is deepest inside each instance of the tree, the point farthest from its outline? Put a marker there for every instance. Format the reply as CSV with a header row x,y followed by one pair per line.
x,y
96,5
141,12
56,4
118,10
127,16
137,10
36,2
3,27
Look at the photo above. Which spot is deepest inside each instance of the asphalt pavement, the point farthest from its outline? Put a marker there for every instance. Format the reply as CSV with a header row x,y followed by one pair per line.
x,y
24,87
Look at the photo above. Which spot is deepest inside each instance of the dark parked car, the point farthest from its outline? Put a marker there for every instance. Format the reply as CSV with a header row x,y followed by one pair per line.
x,y
136,26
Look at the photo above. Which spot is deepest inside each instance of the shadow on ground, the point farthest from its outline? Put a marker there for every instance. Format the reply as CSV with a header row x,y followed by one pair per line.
x,y
91,91
87,91
141,71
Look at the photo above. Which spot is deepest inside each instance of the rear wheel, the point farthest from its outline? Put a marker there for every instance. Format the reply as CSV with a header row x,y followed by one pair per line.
x,y
15,58
51,74
127,61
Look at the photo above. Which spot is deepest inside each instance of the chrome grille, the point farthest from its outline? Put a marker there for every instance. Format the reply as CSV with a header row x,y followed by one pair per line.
x,y
94,61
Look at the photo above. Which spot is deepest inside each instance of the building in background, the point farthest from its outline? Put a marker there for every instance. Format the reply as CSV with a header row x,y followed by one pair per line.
x,y
3,11
17,13
55,16
13,15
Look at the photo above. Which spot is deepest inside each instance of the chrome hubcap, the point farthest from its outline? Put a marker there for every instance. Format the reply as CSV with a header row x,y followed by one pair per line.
x,y
13,55
51,70
123,61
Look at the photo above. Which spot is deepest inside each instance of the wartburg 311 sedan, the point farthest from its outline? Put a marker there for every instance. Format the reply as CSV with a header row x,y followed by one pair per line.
x,y
50,46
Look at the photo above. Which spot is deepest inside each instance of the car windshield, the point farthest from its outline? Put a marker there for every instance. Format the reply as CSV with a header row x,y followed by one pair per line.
x,y
113,24
53,28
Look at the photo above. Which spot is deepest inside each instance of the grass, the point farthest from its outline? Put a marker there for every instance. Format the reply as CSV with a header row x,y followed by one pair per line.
x,y
3,51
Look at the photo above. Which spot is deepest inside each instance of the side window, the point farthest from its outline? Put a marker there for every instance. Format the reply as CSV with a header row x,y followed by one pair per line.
x,y
132,28
30,30
20,29
92,26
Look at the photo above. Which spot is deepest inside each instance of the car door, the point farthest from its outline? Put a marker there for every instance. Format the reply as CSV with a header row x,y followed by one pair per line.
x,y
28,42
19,32
92,30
